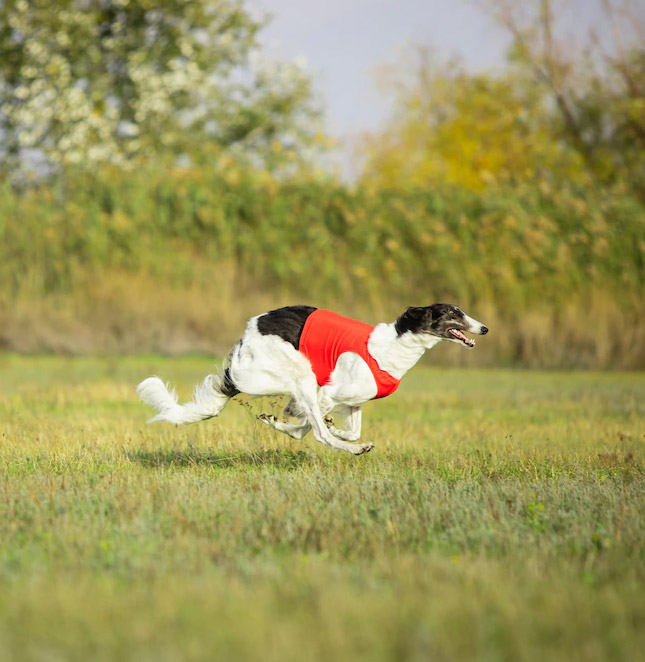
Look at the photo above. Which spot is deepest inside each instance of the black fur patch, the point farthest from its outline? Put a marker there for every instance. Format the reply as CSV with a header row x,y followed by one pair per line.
x,y
287,323
227,387
414,319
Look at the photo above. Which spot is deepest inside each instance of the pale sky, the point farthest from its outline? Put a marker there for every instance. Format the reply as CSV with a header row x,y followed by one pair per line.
x,y
346,41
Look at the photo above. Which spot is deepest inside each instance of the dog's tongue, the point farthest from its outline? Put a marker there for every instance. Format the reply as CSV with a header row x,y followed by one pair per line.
x,y
458,334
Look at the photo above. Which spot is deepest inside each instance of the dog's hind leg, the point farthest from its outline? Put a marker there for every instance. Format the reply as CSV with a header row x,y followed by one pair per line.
x,y
292,409
351,432
296,430
307,400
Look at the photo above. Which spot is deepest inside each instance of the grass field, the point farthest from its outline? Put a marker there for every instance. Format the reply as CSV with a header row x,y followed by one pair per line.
x,y
500,517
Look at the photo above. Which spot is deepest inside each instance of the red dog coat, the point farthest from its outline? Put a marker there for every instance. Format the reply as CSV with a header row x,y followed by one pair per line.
x,y
327,335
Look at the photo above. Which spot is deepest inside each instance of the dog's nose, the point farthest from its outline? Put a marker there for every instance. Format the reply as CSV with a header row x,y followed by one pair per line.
x,y
484,330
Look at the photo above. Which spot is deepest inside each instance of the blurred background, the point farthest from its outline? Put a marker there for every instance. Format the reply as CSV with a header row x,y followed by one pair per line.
x,y
170,168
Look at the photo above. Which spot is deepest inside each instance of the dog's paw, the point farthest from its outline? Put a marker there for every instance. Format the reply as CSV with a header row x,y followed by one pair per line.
x,y
269,419
329,421
363,448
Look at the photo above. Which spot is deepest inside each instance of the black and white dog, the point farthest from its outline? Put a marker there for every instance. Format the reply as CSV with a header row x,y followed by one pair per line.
x,y
295,350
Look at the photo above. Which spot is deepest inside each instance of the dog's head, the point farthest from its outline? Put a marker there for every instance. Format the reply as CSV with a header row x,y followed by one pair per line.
x,y
441,320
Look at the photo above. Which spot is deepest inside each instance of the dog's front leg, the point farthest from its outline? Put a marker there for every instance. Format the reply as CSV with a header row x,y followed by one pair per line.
x,y
352,429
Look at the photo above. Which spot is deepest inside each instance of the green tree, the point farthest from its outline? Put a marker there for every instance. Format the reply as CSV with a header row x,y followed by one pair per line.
x,y
119,81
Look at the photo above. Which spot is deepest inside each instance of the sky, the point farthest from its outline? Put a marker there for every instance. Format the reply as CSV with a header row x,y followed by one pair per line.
x,y
346,43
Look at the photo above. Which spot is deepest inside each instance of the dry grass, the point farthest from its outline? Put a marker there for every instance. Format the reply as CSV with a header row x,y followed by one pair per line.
x,y
117,312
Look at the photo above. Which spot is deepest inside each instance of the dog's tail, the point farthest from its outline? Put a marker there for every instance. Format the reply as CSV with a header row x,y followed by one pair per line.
x,y
209,399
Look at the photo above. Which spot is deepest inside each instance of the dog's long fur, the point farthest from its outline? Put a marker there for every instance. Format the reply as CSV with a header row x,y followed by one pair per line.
x,y
266,361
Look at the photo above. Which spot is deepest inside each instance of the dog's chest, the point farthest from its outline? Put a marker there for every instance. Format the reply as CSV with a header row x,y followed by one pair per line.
x,y
327,335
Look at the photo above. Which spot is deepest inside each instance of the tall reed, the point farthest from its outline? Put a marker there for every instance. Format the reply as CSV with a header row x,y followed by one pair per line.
x,y
174,260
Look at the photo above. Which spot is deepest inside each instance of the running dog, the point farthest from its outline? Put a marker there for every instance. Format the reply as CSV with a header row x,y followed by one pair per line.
x,y
295,350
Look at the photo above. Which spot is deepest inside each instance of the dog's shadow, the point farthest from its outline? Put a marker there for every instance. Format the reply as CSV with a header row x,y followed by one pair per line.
x,y
282,459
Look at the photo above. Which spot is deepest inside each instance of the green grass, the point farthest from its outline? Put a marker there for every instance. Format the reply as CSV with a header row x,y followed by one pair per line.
x,y
500,517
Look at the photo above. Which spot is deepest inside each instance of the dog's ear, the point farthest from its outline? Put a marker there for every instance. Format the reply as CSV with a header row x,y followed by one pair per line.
x,y
416,313
413,319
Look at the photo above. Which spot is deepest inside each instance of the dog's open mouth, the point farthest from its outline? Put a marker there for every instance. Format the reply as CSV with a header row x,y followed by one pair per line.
x,y
460,336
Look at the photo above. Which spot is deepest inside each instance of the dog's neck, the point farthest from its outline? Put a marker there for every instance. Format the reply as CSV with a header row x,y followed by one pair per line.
x,y
396,354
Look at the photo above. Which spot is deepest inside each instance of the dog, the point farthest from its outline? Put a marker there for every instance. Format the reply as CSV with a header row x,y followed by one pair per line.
x,y
326,362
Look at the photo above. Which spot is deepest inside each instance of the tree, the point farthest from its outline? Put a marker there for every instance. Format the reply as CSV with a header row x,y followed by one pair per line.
x,y
120,81
596,87
472,130
558,112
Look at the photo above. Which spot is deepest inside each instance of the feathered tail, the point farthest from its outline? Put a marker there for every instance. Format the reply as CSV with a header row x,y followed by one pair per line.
x,y
209,399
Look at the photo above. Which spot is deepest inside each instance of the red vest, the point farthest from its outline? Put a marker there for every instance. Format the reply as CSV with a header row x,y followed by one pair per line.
x,y
327,335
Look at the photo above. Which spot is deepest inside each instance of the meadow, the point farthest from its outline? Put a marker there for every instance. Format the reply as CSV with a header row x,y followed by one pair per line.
x,y
500,517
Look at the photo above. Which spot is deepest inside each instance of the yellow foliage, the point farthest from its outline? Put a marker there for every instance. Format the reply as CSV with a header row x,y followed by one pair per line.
x,y
467,130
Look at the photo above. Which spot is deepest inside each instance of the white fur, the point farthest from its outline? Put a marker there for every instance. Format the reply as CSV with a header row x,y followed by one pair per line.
x,y
397,354
473,325
207,401
268,365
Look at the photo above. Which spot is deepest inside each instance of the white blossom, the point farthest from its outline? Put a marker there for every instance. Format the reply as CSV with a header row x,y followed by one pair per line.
x,y
89,94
